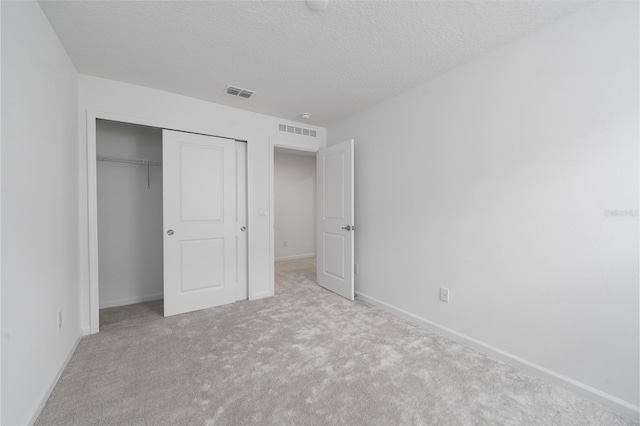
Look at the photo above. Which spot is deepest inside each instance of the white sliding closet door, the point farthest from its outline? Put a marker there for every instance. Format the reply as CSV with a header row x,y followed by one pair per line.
x,y
199,208
242,289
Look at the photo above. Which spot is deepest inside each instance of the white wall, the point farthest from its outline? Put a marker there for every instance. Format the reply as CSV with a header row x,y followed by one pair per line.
x,y
183,113
295,204
493,180
0,224
129,215
39,209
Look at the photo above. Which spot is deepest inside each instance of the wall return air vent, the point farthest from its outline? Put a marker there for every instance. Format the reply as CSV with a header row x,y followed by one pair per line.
x,y
296,130
239,91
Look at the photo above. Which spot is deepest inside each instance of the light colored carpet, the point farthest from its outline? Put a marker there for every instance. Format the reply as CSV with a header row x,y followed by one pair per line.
x,y
303,357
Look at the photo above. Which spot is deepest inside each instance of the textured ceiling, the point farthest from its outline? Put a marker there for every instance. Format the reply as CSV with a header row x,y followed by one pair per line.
x,y
333,63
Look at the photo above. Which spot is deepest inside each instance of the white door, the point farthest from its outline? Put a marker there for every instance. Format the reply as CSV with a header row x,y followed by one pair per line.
x,y
334,167
199,216
242,290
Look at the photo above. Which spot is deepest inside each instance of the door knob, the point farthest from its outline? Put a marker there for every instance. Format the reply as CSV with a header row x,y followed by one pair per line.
x,y
348,227
170,232
244,228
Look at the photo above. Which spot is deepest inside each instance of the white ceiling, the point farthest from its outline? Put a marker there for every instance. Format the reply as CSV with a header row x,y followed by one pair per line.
x,y
333,63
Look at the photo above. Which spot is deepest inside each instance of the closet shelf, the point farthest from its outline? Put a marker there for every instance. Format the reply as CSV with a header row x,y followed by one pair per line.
x,y
128,160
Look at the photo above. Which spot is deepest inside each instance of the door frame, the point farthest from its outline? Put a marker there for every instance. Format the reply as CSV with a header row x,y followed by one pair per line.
x,y
92,198
292,146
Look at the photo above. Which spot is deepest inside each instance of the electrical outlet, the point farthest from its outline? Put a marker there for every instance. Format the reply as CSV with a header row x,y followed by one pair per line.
x,y
59,320
444,294
284,244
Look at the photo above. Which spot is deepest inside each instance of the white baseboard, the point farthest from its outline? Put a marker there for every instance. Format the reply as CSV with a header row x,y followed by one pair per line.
x,y
623,407
131,300
55,381
296,256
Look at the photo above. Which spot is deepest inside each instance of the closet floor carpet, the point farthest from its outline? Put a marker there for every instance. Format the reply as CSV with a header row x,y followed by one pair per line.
x,y
303,357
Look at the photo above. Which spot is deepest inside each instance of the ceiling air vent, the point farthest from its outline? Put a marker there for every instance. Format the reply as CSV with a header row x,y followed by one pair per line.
x,y
239,91
296,130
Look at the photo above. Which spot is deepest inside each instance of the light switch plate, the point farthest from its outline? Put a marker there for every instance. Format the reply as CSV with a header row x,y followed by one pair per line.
x,y
444,294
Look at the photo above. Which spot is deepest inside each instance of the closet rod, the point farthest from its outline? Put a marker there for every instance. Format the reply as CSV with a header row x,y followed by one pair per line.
x,y
128,160
147,163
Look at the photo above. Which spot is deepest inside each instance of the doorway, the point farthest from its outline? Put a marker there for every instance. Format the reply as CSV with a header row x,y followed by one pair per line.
x,y
294,177
334,216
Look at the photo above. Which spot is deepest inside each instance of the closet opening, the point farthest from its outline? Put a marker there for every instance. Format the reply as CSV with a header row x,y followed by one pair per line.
x,y
144,267
294,192
130,227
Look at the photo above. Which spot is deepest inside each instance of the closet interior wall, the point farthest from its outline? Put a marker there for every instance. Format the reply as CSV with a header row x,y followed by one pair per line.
x,y
129,214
